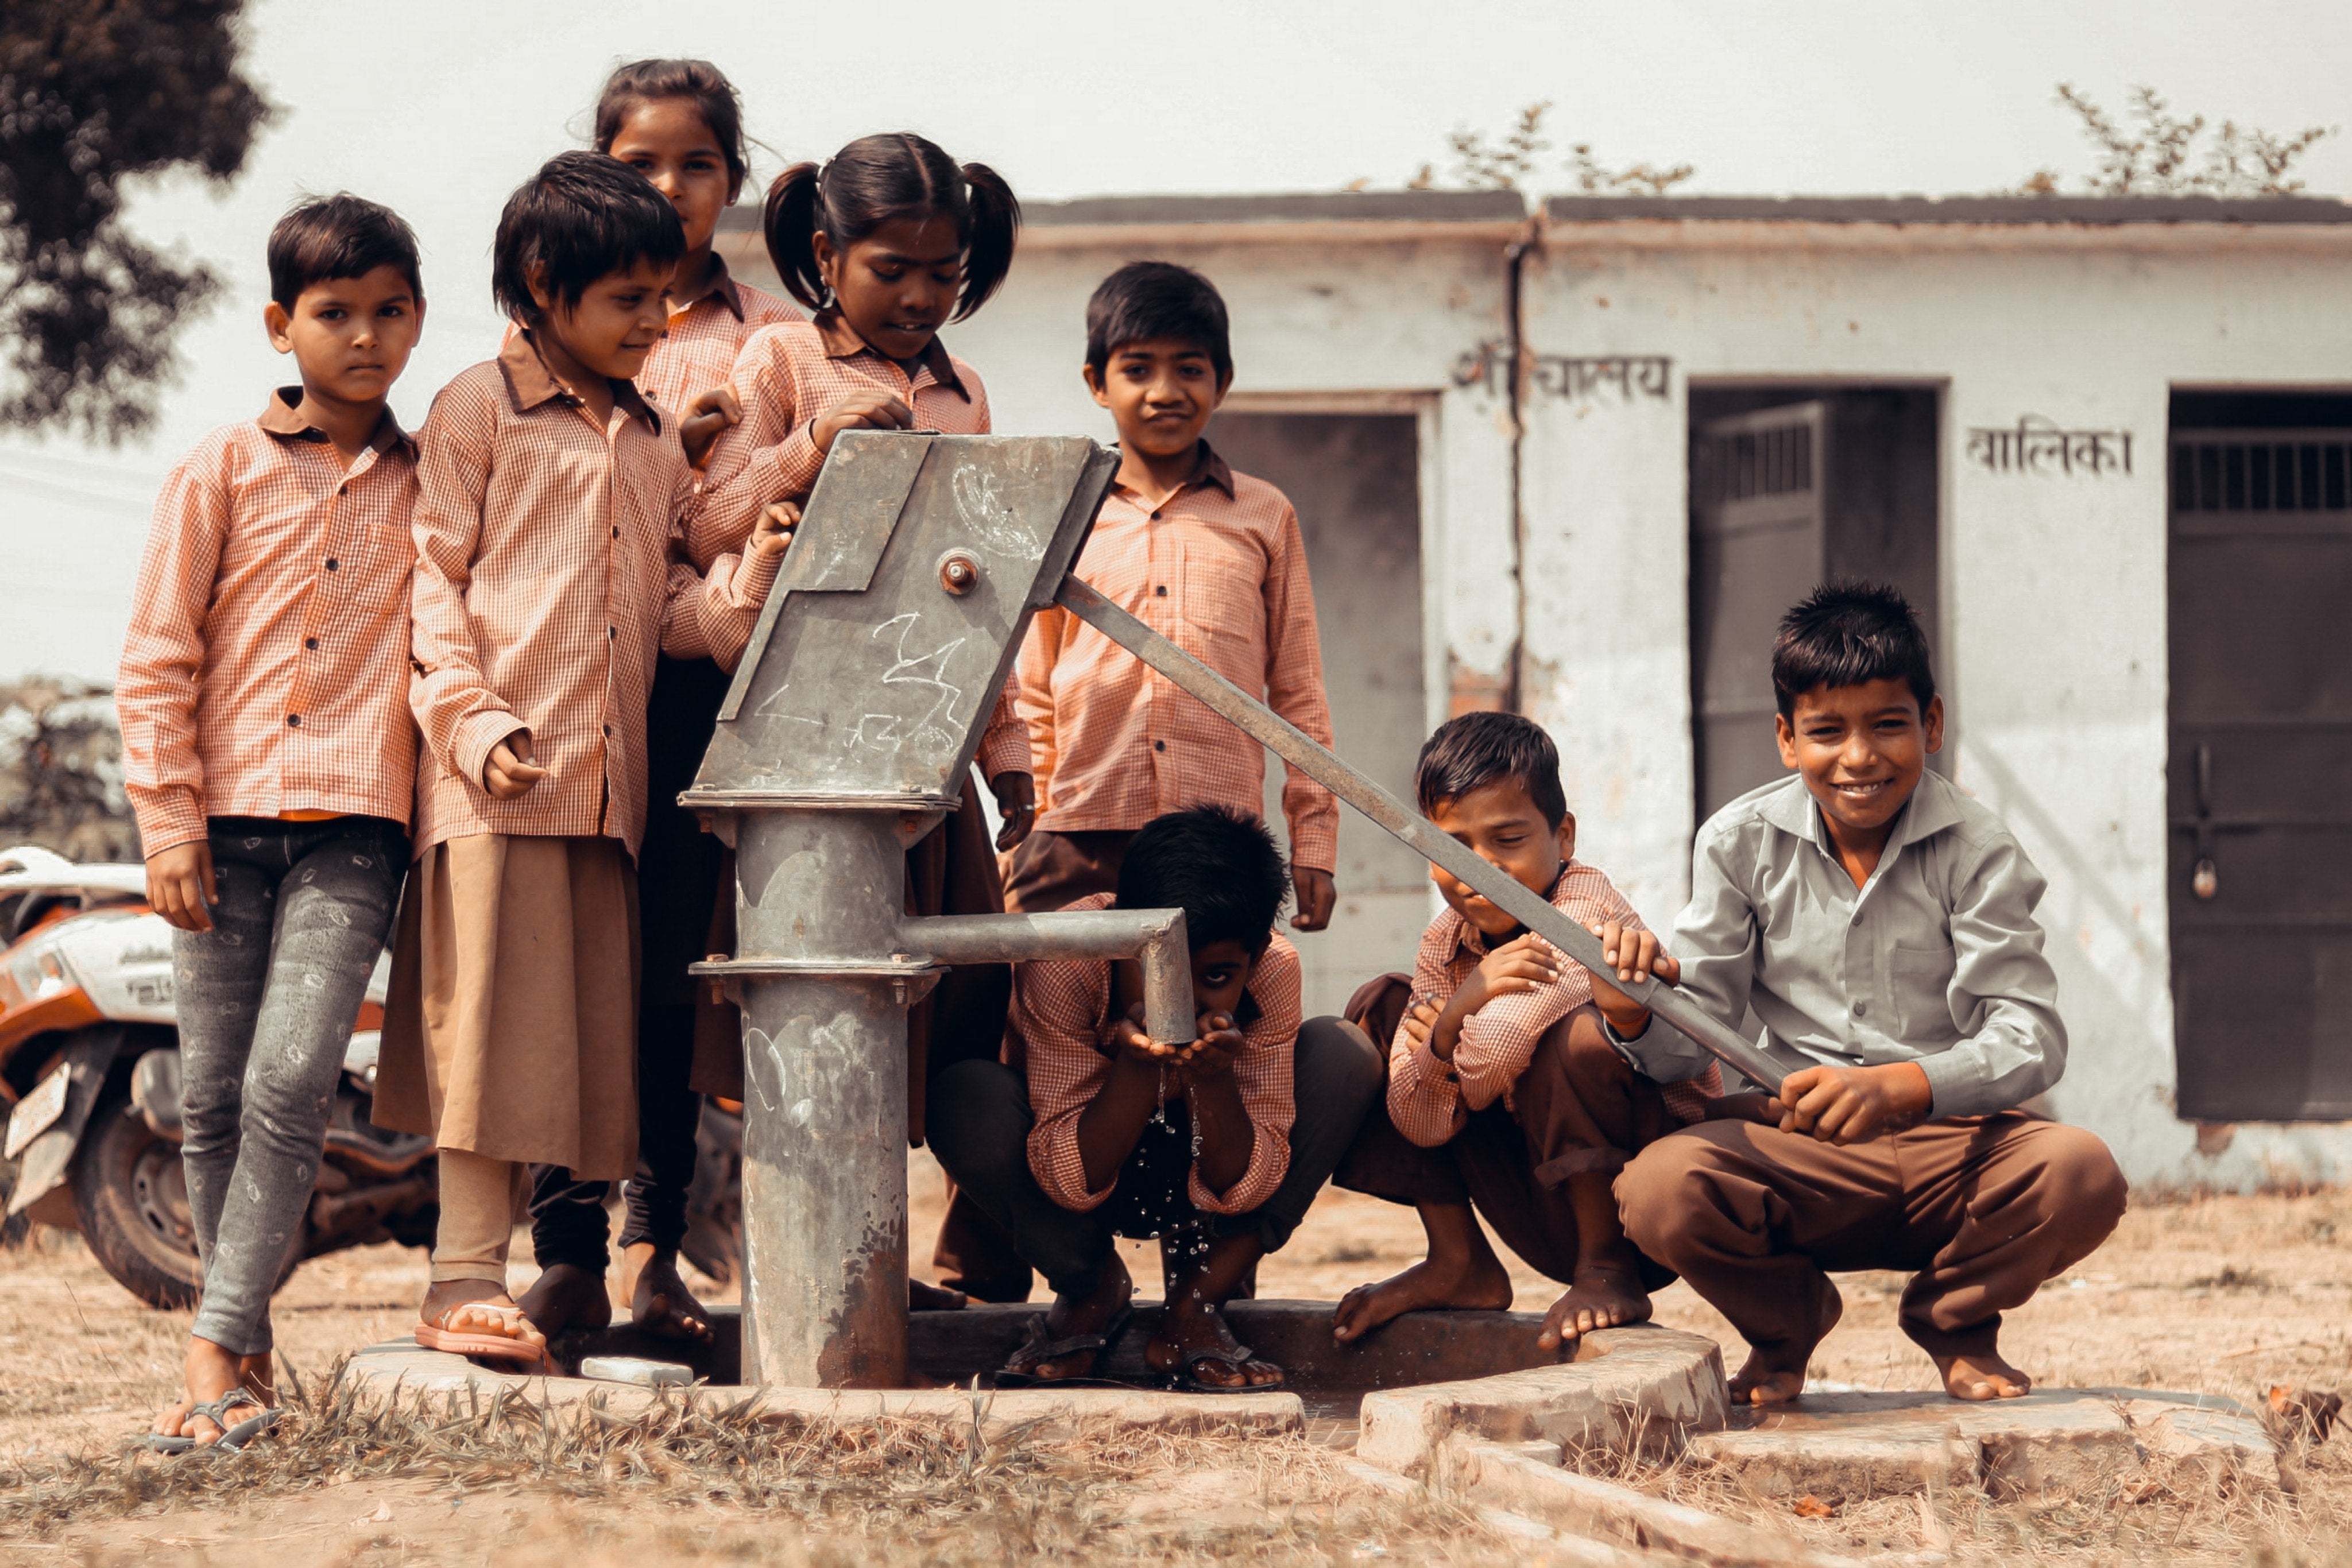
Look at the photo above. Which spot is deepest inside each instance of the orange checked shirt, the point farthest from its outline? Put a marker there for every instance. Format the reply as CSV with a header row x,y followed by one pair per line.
x,y
698,351
1059,1009
1220,569
549,571
1428,1101
266,663
785,376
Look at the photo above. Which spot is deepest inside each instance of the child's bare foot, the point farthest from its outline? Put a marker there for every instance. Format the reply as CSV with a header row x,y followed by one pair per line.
x,y
1983,1377
1768,1378
659,1301
208,1372
476,1317
922,1296
1078,1317
1461,1274
565,1297
1195,1341
1600,1296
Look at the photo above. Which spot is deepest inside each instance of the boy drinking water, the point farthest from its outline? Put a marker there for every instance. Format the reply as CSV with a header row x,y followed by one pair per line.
x,y
268,753
1090,1131
1503,1093
1881,923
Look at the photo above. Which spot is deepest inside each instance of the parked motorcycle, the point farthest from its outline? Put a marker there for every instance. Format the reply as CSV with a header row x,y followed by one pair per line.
x,y
89,1068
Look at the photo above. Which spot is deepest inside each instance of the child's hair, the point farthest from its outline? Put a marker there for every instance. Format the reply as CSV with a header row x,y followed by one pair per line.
x,y
872,182
1219,866
1481,748
582,216
341,235
1847,633
1147,300
698,82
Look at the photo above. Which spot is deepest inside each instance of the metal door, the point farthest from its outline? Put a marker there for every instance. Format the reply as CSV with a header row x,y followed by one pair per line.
x,y
2261,862
1758,546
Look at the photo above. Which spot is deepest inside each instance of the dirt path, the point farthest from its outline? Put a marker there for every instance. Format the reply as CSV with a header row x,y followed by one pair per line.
x,y
2224,1295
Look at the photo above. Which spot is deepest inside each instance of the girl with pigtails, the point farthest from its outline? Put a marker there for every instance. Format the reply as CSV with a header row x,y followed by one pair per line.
x,y
887,242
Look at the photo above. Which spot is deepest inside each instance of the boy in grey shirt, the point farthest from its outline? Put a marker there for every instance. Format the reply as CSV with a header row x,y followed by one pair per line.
x,y
1880,922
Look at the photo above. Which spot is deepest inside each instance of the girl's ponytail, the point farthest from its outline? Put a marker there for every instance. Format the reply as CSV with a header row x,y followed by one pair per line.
x,y
990,232
791,218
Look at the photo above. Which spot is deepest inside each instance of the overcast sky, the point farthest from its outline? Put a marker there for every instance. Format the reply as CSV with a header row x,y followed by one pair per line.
x,y
439,107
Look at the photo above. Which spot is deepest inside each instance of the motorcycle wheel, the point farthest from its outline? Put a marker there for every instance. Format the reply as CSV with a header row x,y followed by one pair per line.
x,y
132,1200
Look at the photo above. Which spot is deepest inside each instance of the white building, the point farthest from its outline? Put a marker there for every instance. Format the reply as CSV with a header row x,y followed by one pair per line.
x,y
1580,462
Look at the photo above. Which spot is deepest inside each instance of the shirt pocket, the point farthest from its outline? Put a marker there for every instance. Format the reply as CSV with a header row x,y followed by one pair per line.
x,y
1920,978
1225,603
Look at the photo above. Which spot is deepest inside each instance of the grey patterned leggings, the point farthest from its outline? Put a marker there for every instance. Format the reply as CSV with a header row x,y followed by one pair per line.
x,y
266,999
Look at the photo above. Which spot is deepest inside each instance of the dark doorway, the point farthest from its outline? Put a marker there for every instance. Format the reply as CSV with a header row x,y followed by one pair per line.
x,y
1355,481
1791,485
2259,873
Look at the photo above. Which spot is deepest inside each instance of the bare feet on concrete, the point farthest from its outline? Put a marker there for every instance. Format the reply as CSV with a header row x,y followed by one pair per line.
x,y
922,1296
1775,1372
1602,1296
1461,1273
1983,1377
566,1297
659,1301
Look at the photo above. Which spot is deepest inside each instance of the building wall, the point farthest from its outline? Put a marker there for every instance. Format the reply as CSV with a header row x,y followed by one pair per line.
x,y
2054,653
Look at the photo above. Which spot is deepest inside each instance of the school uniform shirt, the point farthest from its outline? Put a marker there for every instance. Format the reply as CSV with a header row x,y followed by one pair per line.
x,y
265,671
785,376
705,334
1221,570
1059,1008
1430,1100
1934,959
549,571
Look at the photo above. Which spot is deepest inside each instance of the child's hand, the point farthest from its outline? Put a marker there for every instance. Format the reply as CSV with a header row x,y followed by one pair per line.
x,y
510,773
705,416
875,410
1520,964
773,534
1854,1105
1420,1020
1631,955
1211,1052
1122,1035
1317,895
1016,803
181,884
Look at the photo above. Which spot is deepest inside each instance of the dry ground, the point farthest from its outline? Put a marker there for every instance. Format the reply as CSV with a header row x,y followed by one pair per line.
x,y
2225,1295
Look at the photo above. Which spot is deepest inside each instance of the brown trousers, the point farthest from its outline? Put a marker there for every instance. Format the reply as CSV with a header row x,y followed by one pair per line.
x,y
1985,1208
1579,1107
1044,872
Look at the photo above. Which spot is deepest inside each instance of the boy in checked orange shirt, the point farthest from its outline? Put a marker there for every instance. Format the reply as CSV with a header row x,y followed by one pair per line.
x,y
267,751
1211,559
1217,1144
1504,1092
549,573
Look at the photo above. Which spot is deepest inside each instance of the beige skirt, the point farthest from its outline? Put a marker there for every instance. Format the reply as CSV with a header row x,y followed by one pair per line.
x,y
511,1028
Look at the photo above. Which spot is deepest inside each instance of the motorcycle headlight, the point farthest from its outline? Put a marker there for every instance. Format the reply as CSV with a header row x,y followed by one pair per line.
x,y
40,969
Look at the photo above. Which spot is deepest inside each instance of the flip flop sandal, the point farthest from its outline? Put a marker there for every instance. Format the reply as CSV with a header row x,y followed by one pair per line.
x,y
233,1437
484,1346
1019,1370
1182,1381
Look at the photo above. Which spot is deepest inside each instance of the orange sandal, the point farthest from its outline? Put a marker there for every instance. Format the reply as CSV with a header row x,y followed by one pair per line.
x,y
486,1346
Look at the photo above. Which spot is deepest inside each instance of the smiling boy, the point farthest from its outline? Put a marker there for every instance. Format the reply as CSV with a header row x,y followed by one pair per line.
x,y
1880,922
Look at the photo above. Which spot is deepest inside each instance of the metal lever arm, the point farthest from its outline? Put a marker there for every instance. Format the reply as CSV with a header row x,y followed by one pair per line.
x,y
1759,1063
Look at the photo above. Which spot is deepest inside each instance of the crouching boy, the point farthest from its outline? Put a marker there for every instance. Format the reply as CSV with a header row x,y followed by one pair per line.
x,y
1504,1093
1879,921
1216,1146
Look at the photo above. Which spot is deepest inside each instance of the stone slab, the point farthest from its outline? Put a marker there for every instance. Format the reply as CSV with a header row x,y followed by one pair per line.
x,y
1052,1413
1641,1389
1857,1445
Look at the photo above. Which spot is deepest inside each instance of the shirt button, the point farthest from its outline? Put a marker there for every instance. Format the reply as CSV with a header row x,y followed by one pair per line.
x,y
1161,591
1860,1009
309,641
1159,745
1155,517
608,730
293,721
616,533
331,563
611,631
